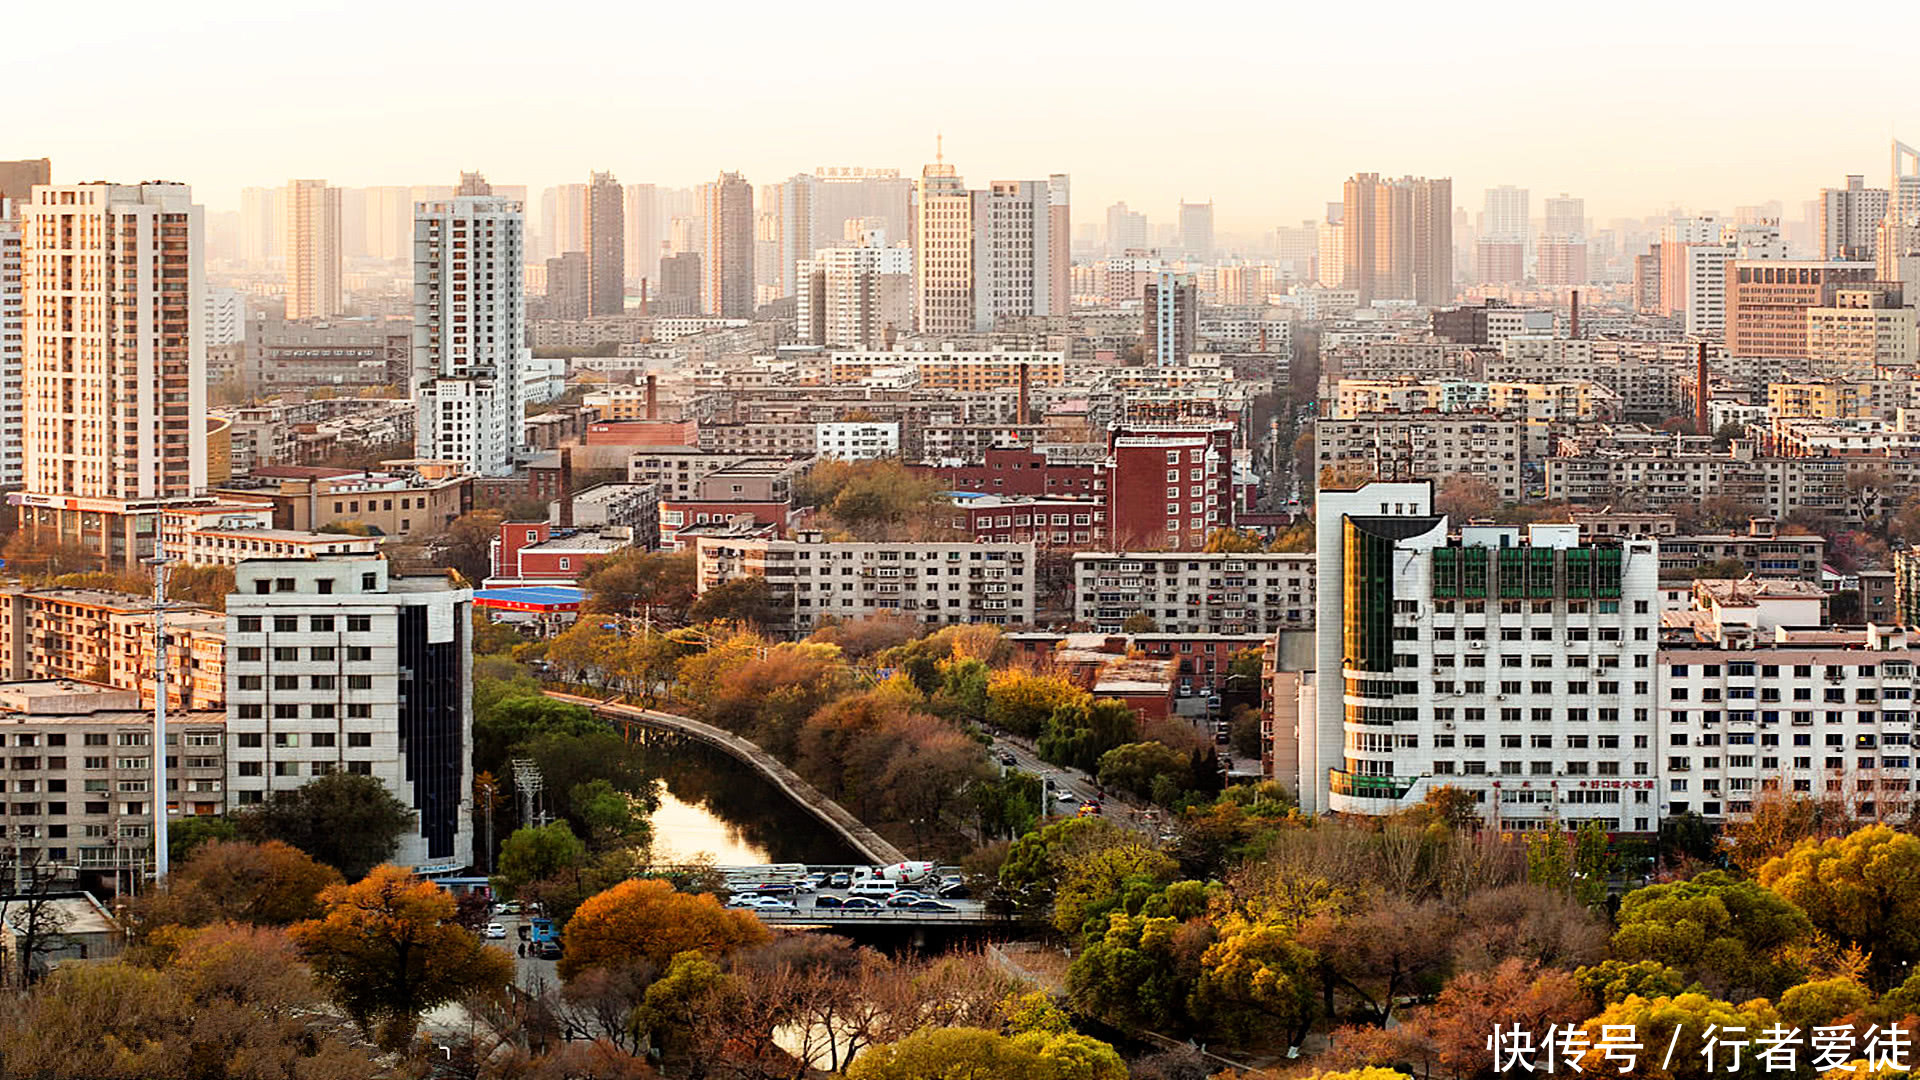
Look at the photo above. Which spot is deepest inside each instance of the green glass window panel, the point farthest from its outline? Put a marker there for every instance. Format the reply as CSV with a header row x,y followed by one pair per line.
x,y
1607,573
1540,573
1513,573
1367,621
1446,572
1473,573
1580,573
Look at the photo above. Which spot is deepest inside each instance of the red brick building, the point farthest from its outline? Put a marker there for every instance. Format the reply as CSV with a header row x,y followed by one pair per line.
x,y
537,551
1019,470
1064,521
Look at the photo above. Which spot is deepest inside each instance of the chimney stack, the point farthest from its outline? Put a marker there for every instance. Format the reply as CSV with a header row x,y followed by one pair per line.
x,y
1574,330
566,488
1020,417
653,396
643,298
1700,394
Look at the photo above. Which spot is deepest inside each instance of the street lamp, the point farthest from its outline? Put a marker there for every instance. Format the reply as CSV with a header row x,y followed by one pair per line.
x,y
159,563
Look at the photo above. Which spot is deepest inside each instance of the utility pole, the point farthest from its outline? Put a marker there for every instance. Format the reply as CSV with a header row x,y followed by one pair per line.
x,y
159,563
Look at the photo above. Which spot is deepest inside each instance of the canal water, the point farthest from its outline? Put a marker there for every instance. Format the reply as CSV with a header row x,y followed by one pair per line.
x,y
712,804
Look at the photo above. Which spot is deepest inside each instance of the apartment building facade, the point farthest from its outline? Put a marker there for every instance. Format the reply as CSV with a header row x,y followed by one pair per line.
x,y
1400,446
334,664
935,583
1190,592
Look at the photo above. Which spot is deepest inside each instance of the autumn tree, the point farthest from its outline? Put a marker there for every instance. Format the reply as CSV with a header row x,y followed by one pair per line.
x,y
1092,882
1612,981
1232,542
1777,823
467,543
1862,889
265,884
633,580
868,636
1142,971
1515,992
1023,701
1257,979
1466,496
387,950
350,821
649,920
1681,1026
1378,953
746,600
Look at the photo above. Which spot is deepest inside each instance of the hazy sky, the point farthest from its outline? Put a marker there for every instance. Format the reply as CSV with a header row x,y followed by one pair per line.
x,y
1263,107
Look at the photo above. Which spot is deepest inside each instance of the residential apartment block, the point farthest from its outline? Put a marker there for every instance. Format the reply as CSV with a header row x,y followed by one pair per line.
x,y
936,583
1190,592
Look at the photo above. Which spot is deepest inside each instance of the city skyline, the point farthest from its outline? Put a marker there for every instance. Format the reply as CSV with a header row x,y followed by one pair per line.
x,y
1263,162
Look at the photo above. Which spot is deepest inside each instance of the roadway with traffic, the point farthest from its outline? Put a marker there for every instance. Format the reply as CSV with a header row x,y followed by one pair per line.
x,y
1079,788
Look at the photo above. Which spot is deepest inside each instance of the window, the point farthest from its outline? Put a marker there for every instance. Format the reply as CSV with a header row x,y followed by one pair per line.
x,y
359,624
285,624
322,738
249,624
360,768
359,682
359,738
321,624
359,652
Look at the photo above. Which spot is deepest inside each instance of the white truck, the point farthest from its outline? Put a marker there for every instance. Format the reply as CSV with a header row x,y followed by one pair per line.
x,y
900,873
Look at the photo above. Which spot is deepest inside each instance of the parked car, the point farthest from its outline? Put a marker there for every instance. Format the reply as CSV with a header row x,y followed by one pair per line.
x,y
860,903
828,901
904,898
840,880
768,903
1067,796
742,900
930,905
497,931
548,950
1009,760
956,891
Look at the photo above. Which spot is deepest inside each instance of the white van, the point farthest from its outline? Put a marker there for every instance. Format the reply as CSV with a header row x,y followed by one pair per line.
x,y
873,887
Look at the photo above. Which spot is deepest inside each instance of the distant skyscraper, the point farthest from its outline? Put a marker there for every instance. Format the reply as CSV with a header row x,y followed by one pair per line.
x,y
566,286
17,178
794,235
1501,249
856,297
1170,315
680,283
1565,216
943,251
313,250
112,273
728,261
563,219
846,193
1060,246
1398,239
1332,266
643,234
263,224
473,183
606,229
1126,230
1196,230
1850,220
389,223
469,331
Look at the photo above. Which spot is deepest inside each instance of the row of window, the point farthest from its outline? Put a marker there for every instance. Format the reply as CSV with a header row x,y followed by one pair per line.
x,y
289,654
314,682
325,710
290,624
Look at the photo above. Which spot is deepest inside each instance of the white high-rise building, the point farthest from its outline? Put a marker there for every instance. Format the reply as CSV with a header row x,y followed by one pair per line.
x,y
988,254
11,312
856,297
313,250
469,331
114,274
1850,220
1516,665
794,227
334,664
1013,245
943,251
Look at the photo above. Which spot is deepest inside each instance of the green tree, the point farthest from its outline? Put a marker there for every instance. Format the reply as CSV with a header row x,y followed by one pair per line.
x,y
387,950
1612,981
960,1053
675,1007
1138,623
1081,730
1140,972
1734,937
1136,767
350,821
1094,882
1822,1002
186,835
1862,889
533,854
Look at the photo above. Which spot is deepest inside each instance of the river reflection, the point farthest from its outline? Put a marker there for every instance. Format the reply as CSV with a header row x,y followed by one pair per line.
x,y
712,804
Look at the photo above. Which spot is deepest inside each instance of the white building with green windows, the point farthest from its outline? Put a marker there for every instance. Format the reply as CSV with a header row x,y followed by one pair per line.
x,y
1514,663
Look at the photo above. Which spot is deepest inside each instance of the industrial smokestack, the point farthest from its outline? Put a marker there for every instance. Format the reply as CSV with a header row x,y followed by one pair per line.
x,y
1020,417
1700,394
643,298
653,397
566,488
1574,330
